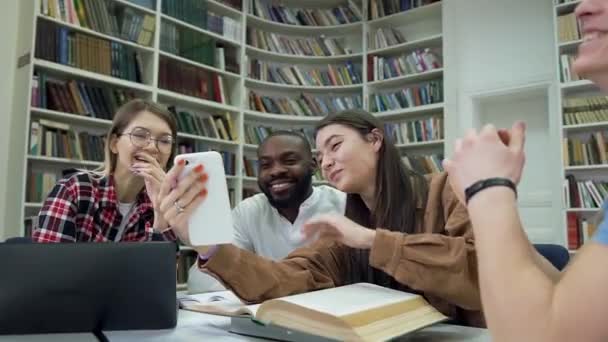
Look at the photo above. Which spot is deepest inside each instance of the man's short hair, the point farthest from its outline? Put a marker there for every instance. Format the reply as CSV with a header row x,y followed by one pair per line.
x,y
289,133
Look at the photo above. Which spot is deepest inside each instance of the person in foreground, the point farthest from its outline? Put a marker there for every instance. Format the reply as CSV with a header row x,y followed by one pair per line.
x,y
521,301
117,203
269,224
399,230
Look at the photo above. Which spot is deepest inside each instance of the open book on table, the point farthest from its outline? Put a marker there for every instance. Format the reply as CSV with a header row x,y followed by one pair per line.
x,y
357,312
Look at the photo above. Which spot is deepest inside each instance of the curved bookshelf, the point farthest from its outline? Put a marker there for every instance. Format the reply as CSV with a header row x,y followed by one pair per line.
x,y
136,6
297,59
257,84
214,141
423,144
186,100
273,26
586,126
50,114
226,10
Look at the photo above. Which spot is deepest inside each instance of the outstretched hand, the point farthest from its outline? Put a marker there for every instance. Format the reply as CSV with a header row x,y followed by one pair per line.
x,y
340,228
487,154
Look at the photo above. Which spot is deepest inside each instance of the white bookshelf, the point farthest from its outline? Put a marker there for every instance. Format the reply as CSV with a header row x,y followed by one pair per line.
x,y
420,26
576,89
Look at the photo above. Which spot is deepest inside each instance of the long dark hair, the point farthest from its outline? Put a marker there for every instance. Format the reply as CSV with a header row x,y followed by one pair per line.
x,y
399,191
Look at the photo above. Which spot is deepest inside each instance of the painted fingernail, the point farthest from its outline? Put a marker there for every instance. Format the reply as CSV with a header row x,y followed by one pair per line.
x,y
181,162
203,193
199,168
204,177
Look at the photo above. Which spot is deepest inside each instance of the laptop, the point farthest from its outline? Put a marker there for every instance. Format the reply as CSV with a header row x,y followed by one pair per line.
x,y
87,287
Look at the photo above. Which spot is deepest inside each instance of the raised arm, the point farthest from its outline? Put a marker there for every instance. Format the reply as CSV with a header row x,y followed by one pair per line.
x,y
522,302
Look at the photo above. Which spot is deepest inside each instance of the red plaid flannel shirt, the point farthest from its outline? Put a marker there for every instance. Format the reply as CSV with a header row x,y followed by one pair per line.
x,y
84,208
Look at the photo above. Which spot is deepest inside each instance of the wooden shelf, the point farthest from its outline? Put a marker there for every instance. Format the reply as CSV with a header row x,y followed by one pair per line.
x,y
288,29
288,119
567,7
55,160
89,75
134,45
419,110
220,8
253,83
287,58
578,86
186,100
136,6
586,127
584,210
200,65
395,81
601,167
396,19
221,142
79,119
569,46
431,41
200,30
434,143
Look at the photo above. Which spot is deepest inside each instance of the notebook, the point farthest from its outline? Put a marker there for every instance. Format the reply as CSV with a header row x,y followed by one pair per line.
x,y
357,312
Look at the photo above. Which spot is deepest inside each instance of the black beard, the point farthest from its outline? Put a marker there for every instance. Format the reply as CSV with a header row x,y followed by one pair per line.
x,y
298,194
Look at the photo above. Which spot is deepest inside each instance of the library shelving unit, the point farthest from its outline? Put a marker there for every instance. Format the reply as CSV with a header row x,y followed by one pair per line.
x,y
584,121
231,71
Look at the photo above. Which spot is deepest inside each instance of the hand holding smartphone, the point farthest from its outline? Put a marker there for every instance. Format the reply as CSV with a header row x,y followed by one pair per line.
x,y
211,222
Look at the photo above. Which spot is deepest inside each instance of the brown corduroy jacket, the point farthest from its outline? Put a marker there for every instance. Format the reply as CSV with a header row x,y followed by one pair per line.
x,y
438,261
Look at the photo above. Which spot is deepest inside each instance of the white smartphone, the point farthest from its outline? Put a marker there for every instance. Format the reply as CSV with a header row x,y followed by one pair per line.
x,y
211,222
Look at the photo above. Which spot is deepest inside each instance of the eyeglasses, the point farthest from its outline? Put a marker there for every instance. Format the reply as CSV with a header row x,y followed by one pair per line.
x,y
141,137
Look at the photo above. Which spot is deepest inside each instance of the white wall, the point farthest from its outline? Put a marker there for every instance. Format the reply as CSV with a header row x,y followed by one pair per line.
x,y
9,14
493,50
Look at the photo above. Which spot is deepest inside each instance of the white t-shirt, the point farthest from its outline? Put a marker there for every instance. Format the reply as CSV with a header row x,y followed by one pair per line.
x,y
259,228
125,211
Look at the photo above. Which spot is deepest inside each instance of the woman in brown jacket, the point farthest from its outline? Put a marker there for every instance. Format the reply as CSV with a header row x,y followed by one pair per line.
x,y
400,230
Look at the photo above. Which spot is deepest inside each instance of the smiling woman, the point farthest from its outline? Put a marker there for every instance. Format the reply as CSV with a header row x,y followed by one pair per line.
x,y
116,203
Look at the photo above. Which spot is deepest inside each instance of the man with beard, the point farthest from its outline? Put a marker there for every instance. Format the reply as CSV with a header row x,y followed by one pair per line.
x,y
269,223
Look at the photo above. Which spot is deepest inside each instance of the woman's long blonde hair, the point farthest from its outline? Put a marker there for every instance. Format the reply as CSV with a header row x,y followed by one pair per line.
x,y
123,117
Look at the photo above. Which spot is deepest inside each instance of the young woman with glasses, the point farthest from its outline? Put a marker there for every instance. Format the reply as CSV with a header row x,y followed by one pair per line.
x,y
116,203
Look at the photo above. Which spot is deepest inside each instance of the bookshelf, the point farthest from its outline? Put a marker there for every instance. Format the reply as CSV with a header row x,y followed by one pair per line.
x,y
82,83
584,121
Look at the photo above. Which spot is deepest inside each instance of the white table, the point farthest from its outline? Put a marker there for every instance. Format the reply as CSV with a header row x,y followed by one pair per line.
x,y
196,327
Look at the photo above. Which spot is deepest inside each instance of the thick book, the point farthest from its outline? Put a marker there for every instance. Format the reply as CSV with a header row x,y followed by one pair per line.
x,y
357,312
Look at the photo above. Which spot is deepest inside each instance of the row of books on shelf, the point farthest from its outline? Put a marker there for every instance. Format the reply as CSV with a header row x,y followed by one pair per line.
x,y
579,230
384,37
277,12
256,134
107,17
39,184
381,8
413,96
77,97
424,164
55,139
333,75
190,80
382,68
415,131
588,194
207,125
568,28
590,151
304,104
585,110
198,47
60,45
567,73
197,13
289,45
